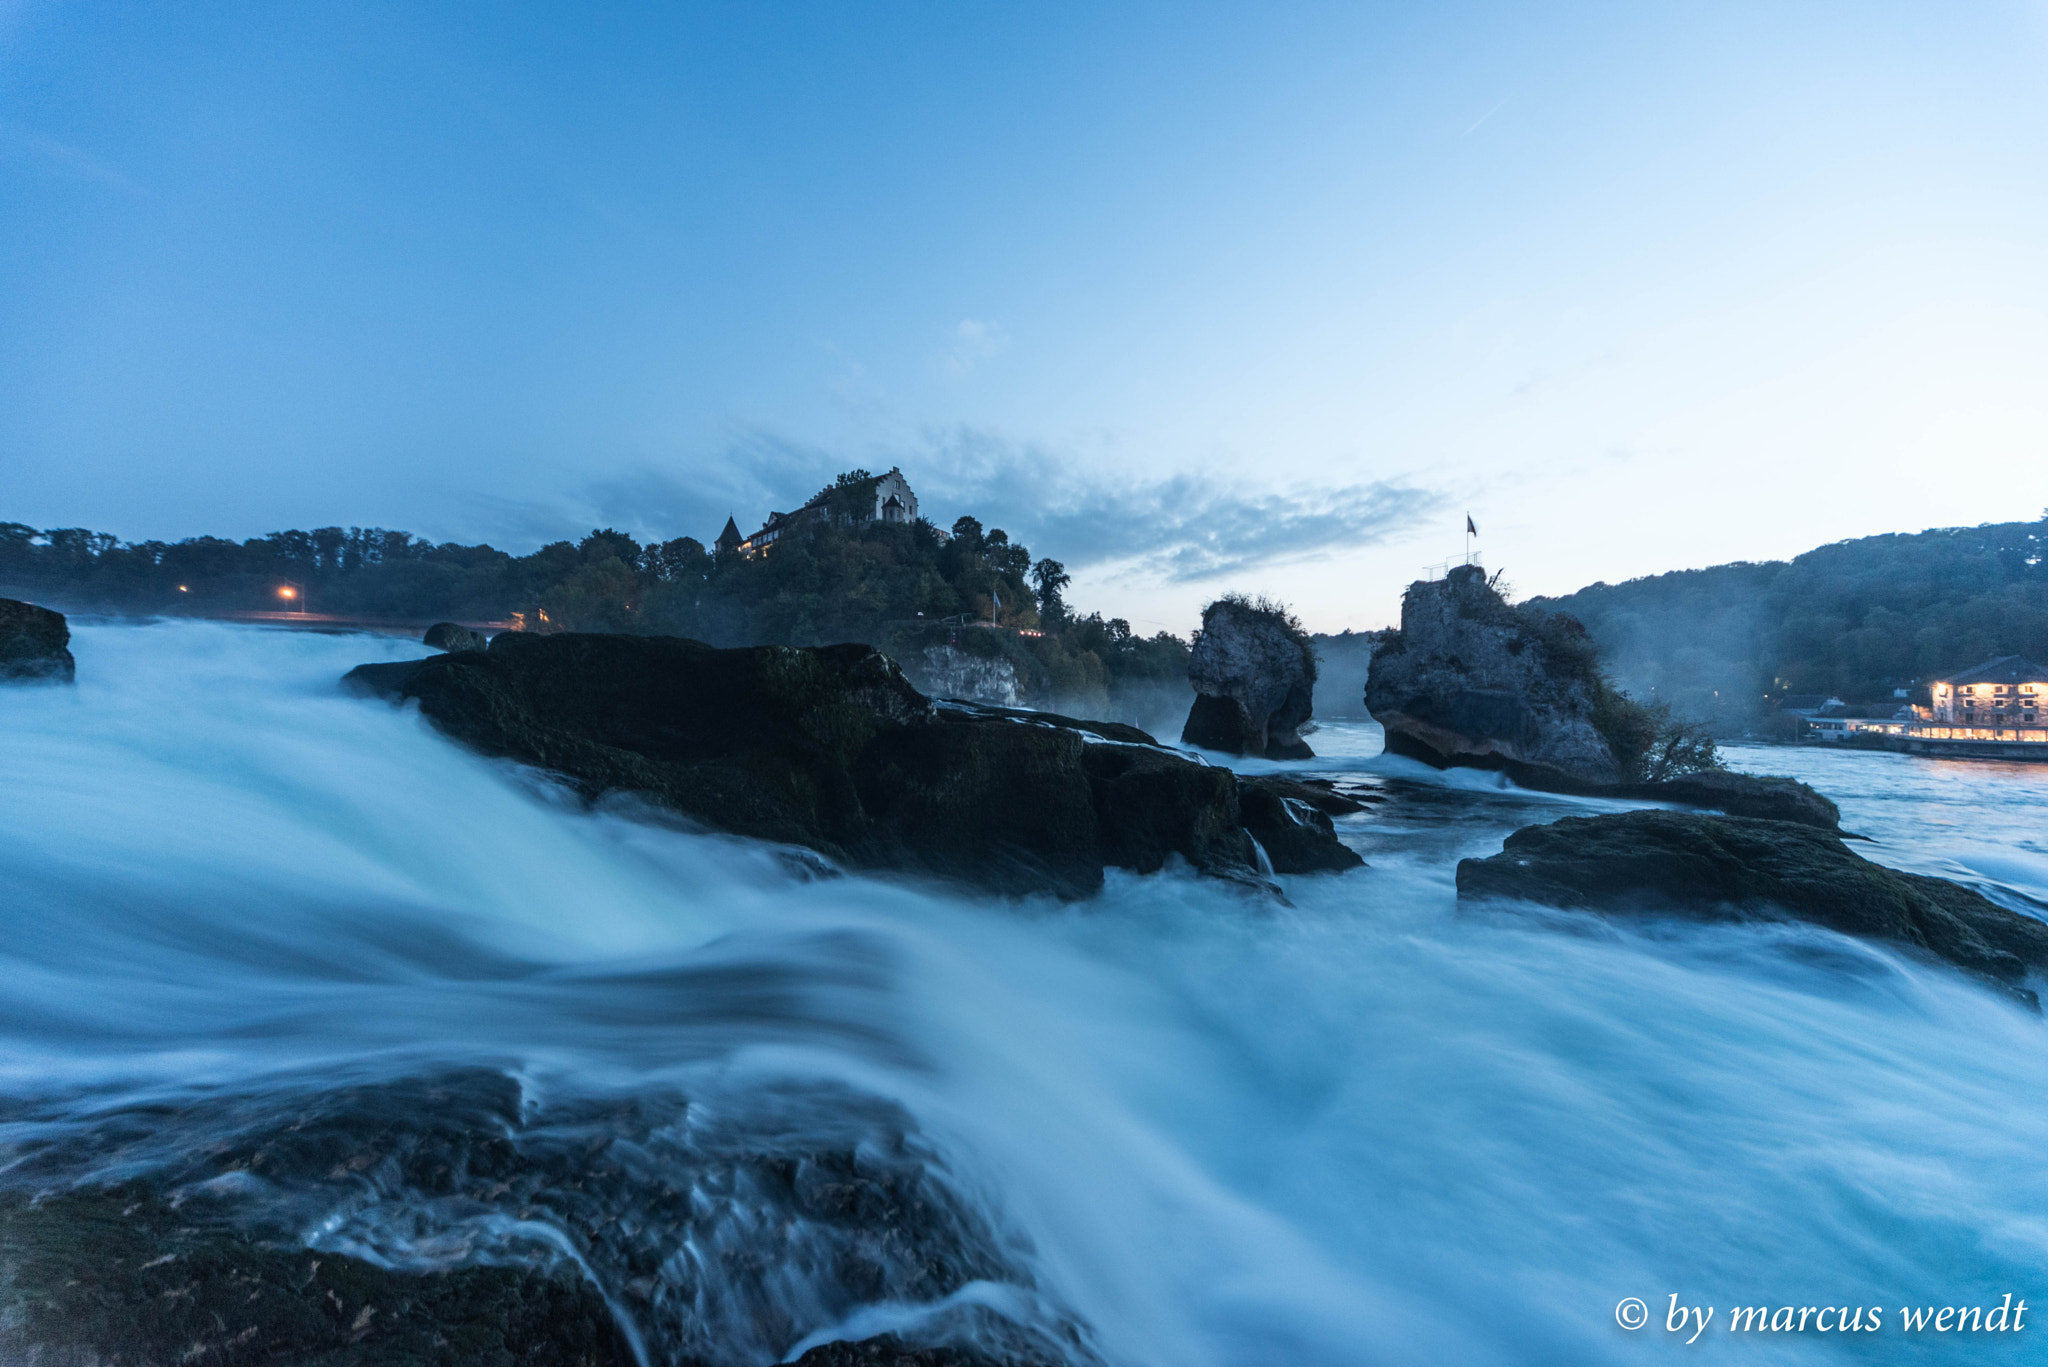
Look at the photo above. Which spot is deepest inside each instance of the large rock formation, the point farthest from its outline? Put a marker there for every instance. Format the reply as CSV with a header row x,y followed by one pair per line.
x,y
1737,868
1470,680
1254,675
34,644
832,749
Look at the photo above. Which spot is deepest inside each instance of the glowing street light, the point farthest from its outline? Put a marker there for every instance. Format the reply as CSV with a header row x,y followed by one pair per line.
x,y
294,595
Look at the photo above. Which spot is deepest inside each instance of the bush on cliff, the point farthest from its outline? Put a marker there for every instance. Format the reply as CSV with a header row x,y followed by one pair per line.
x,y
1649,744
1271,613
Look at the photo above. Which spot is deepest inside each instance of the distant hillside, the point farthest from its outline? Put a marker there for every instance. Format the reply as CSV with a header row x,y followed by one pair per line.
x,y
1857,619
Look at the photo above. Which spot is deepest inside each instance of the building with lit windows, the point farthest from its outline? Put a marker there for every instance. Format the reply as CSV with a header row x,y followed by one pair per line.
x,y
2005,694
872,498
1994,711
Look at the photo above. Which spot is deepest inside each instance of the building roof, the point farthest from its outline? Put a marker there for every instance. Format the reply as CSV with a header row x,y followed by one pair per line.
x,y
2006,669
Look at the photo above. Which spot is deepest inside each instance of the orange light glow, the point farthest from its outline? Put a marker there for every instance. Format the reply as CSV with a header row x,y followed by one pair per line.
x,y
183,589
287,593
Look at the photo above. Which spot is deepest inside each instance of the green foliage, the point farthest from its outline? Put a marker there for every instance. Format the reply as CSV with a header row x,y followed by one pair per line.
x,y
1649,744
1680,748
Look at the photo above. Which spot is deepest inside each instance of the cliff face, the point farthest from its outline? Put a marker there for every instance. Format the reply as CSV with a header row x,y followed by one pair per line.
x,y
1254,683
1470,680
950,672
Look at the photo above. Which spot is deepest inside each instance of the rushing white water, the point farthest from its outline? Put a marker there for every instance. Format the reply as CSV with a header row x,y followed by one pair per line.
x,y
1370,1126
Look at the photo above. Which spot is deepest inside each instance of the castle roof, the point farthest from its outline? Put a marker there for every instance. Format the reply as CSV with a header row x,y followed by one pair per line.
x,y
2006,669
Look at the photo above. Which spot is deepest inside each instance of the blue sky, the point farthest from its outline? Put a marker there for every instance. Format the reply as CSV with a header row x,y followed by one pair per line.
x,y
1193,297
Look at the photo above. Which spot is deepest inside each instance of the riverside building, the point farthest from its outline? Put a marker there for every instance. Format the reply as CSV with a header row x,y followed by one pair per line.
x,y
1993,701
1994,711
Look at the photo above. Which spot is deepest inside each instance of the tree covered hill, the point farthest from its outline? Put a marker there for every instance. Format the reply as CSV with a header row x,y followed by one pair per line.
x,y
1856,619
900,586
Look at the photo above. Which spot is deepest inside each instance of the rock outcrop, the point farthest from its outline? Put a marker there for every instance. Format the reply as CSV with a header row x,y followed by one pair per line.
x,y
1254,675
454,636
950,672
34,644
1470,680
832,749
822,1200
1737,868
1765,797
1291,822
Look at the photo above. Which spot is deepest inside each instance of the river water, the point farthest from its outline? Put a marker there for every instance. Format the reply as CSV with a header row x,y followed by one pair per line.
x,y
766,1107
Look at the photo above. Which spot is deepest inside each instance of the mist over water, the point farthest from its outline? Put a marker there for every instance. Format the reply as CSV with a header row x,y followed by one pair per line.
x,y
1173,1126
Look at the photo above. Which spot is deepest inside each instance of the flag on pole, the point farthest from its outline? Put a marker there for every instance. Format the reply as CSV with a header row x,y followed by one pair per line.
x,y
1470,530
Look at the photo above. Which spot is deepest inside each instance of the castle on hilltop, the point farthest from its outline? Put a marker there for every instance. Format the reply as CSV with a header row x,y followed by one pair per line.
x,y
854,500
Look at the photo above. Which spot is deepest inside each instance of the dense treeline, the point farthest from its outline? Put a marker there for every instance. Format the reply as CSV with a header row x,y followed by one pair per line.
x,y
901,586
1857,619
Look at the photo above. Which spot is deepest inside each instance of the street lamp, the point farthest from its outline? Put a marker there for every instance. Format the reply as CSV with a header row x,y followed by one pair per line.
x,y
294,594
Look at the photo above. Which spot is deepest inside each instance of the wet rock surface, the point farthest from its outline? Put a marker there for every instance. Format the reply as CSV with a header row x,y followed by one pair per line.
x,y
454,636
456,1222
1737,868
1291,820
34,644
124,1274
890,1351
1254,681
1765,797
832,749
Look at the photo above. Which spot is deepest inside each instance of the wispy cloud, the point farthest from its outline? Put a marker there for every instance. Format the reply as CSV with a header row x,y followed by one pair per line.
x,y
21,142
1184,528
1180,529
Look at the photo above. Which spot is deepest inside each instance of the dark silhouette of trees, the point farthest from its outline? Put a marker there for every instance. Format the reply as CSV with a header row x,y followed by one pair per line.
x,y
828,579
